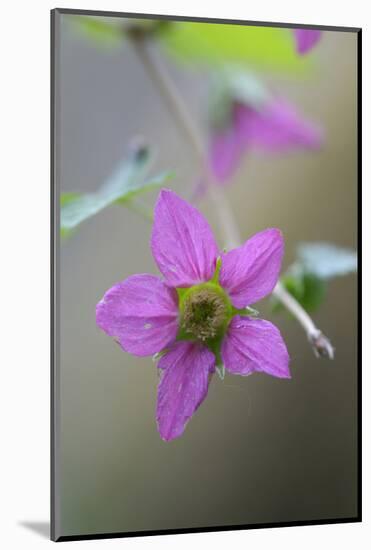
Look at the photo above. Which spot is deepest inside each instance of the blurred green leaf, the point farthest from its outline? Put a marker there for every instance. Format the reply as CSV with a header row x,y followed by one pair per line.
x,y
110,32
123,186
230,85
316,264
68,197
308,289
104,31
246,87
327,260
211,43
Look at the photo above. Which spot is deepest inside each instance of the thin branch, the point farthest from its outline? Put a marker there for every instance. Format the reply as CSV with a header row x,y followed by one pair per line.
x,y
159,76
321,344
165,85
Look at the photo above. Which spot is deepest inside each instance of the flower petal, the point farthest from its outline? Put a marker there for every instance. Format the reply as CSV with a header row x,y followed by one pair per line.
x,y
182,243
183,386
255,345
225,153
250,271
141,312
305,39
276,128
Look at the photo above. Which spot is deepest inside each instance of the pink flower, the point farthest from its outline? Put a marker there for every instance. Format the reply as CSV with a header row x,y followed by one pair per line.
x,y
277,127
196,317
306,39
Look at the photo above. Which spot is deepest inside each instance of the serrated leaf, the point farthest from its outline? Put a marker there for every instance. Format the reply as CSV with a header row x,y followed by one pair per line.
x,y
215,44
327,260
125,183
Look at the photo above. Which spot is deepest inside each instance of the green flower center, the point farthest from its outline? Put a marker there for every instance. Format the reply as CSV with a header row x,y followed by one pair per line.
x,y
205,312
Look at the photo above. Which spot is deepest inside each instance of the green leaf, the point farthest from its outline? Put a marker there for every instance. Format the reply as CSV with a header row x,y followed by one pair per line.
x,y
68,197
210,43
110,32
230,85
103,31
308,289
316,264
123,186
327,260
246,87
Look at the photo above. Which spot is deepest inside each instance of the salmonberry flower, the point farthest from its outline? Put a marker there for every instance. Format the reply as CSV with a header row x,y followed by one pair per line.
x,y
197,317
275,127
306,39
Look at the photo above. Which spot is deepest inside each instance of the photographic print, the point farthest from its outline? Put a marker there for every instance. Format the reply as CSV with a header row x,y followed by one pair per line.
x,y
205,194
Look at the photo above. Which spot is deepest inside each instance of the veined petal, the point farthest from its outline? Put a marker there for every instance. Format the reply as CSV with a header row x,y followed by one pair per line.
x,y
306,39
182,242
183,386
255,345
141,312
225,153
277,128
250,272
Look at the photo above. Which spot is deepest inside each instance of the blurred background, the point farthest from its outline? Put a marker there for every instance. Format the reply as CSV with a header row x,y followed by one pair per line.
x,y
259,449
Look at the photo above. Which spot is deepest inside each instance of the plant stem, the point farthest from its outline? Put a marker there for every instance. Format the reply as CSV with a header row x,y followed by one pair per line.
x,y
165,85
159,76
321,345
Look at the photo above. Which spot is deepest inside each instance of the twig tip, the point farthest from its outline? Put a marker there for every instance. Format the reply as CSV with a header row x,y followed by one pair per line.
x,y
322,346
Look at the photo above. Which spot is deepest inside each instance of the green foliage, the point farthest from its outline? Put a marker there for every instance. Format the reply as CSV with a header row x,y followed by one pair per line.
x,y
68,197
122,187
109,32
103,31
246,87
316,263
229,85
327,260
211,43
206,43
308,290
